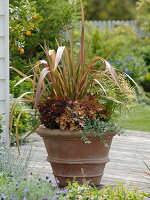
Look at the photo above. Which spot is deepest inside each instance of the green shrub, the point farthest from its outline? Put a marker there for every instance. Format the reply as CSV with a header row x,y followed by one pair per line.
x,y
56,16
125,49
25,86
109,10
142,49
145,82
142,11
130,63
102,41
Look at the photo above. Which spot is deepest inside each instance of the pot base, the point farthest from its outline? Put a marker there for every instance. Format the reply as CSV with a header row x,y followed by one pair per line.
x,y
79,172
63,181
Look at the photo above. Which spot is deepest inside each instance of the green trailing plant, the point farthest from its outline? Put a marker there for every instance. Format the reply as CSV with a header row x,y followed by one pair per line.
x,y
99,129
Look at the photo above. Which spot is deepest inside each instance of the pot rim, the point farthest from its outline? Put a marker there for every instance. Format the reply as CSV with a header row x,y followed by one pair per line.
x,y
43,131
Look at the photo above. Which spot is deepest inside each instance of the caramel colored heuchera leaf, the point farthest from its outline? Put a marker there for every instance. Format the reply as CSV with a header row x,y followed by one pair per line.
x,y
77,111
66,121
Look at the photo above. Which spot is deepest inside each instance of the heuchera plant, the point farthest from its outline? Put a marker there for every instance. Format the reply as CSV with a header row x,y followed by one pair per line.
x,y
68,114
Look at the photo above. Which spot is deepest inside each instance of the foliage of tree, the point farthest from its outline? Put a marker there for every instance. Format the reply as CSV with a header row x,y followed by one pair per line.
x,y
55,16
143,15
109,9
23,20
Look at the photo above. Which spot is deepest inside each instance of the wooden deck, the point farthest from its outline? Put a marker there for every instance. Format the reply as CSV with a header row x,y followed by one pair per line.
x,y
126,157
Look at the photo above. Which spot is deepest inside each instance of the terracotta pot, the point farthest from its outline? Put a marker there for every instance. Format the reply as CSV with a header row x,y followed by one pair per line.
x,y
70,157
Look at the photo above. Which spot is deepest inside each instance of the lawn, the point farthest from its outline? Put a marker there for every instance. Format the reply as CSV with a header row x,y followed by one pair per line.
x,y
139,119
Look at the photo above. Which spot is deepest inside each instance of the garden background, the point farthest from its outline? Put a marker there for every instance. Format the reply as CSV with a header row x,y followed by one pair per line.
x,y
33,23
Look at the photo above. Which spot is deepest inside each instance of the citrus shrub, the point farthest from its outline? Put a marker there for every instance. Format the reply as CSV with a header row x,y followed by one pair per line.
x,y
24,19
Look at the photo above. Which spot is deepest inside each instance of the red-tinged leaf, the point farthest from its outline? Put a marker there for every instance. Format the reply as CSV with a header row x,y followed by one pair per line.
x,y
33,130
58,57
82,53
22,80
93,60
13,109
17,131
50,52
44,62
113,74
23,75
52,55
44,72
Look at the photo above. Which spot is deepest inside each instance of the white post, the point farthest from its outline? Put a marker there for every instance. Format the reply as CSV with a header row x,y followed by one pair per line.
x,y
4,66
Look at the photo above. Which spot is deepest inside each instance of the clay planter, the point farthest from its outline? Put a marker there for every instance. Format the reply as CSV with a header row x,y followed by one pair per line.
x,y
70,157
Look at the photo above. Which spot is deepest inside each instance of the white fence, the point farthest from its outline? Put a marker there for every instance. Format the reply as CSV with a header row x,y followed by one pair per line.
x,y
4,65
110,24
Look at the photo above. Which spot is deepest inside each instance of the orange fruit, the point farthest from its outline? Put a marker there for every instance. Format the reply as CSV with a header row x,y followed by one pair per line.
x,y
21,51
28,33
34,17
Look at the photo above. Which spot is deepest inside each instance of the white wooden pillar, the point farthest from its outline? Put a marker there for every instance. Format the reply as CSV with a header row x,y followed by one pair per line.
x,y
4,66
